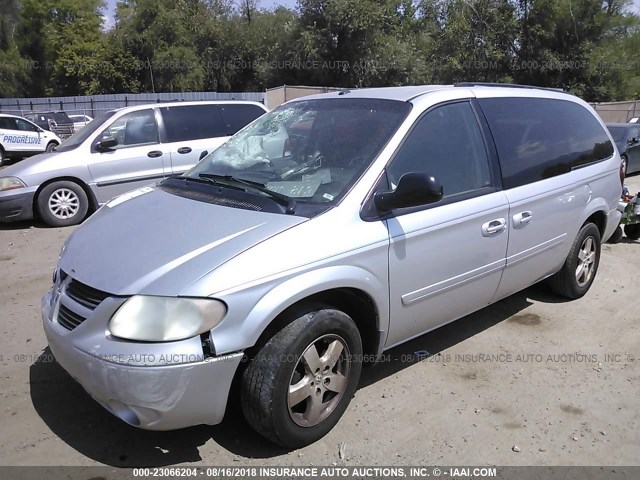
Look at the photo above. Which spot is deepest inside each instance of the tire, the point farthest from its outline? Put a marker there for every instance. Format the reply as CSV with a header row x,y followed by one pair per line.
x,y
51,146
2,157
625,163
585,251
632,231
63,203
617,235
297,355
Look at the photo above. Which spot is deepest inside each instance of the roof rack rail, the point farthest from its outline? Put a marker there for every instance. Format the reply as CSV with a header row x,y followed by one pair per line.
x,y
509,85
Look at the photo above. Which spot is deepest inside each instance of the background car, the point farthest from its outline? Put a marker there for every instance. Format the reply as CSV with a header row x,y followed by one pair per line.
x,y
627,138
21,138
79,121
56,122
118,151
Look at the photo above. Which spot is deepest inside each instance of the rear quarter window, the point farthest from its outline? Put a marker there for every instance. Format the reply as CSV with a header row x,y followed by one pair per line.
x,y
542,138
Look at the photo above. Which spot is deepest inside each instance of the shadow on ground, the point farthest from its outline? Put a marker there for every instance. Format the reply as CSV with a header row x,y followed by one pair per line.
x,y
23,225
85,426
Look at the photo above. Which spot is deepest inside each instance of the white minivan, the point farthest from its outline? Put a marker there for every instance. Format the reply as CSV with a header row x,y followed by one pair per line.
x,y
118,151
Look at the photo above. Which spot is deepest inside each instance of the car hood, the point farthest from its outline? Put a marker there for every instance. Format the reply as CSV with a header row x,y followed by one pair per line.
x,y
33,165
152,242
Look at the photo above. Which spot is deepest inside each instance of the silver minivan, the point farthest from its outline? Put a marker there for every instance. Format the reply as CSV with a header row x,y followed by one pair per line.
x,y
326,232
118,151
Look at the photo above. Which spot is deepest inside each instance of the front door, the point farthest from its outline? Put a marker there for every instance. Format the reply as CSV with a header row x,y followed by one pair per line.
x,y
445,261
139,159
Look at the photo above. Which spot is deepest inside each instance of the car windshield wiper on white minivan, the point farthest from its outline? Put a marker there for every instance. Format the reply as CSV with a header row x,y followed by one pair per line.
x,y
284,200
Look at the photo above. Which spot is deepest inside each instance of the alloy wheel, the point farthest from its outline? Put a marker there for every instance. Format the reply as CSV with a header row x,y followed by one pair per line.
x,y
319,380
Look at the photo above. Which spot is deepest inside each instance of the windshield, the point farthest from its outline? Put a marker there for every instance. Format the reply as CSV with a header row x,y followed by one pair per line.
x,y
312,151
81,135
617,133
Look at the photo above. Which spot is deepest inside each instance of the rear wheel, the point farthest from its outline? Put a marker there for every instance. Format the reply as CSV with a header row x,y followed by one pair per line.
x,y
62,203
580,267
299,384
632,231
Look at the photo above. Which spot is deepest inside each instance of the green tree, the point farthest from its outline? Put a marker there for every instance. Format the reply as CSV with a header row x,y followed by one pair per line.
x,y
14,69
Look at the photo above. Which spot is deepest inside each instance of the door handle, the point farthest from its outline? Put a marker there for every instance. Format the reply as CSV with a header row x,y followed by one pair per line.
x,y
493,227
521,219
184,150
154,153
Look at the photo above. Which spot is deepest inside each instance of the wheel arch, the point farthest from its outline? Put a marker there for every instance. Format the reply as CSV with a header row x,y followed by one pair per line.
x,y
348,288
599,219
354,302
93,202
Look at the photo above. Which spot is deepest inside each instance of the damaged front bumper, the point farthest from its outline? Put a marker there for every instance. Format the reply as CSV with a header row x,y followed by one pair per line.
x,y
155,386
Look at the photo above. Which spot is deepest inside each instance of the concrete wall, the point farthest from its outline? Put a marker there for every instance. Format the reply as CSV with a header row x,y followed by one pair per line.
x,y
617,112
278,95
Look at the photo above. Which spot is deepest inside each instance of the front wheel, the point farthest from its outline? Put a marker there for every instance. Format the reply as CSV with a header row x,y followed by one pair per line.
x,y
625,164
301,381
2,157
51,147
580,267
61,204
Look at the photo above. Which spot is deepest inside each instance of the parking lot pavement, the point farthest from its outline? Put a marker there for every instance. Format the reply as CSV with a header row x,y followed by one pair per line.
x,y
559,380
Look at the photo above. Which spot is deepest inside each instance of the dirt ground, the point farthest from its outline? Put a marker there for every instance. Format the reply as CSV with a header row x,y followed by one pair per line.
x,y
563,392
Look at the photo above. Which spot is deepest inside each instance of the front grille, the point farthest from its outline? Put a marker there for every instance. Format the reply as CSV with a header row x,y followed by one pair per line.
x,y
81,294
69,319
63,131
84,295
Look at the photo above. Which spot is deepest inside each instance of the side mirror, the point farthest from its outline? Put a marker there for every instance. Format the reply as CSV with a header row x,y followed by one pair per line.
x,y
414,189
106,143
633,141
203,154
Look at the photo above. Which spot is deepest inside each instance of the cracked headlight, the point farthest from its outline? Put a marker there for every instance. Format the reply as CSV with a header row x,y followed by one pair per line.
x,y
165,319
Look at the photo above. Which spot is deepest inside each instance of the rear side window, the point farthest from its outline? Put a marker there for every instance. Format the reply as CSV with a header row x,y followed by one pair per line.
x,y
193,122
237,116
541,138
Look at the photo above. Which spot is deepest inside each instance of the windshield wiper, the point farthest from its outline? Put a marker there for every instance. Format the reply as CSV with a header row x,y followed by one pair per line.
x,y
284,200
205,180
